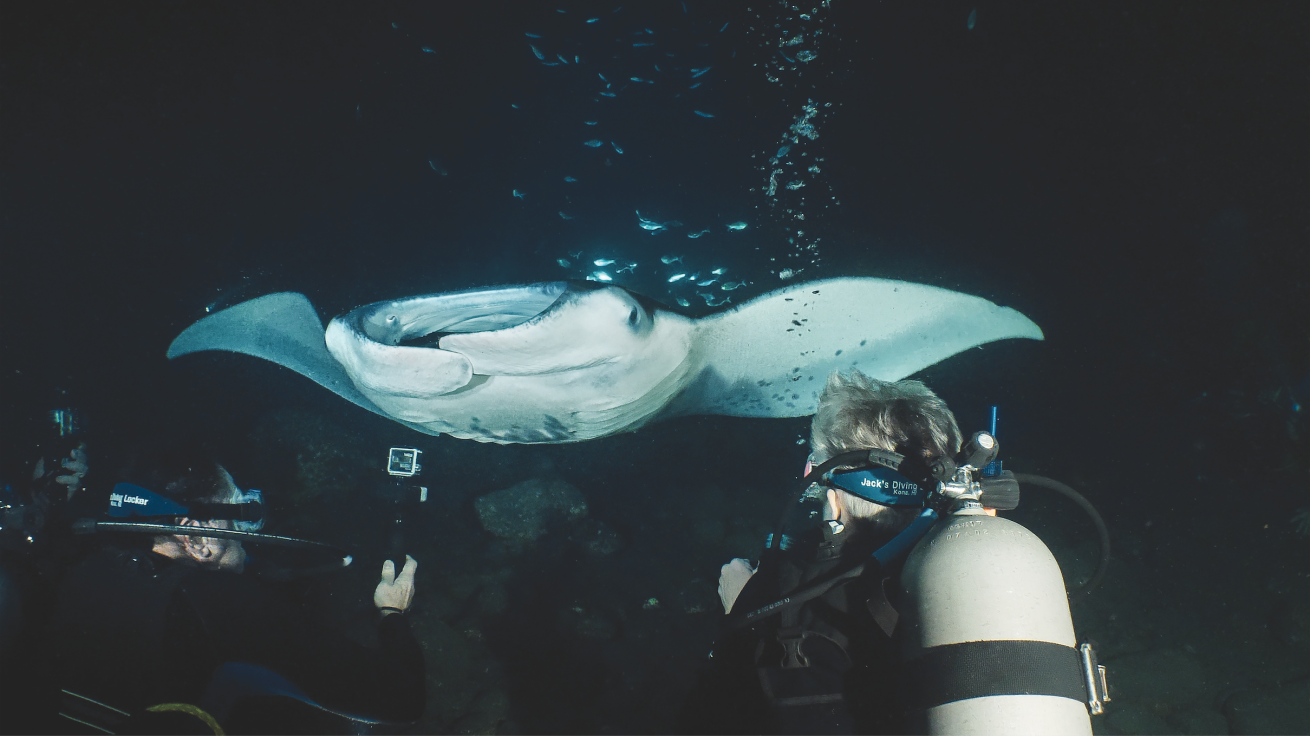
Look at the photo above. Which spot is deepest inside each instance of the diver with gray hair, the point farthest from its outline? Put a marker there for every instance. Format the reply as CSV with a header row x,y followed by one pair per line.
x,y
889,598
792,672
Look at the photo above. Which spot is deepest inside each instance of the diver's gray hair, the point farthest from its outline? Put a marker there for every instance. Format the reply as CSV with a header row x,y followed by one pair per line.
x,y
860,413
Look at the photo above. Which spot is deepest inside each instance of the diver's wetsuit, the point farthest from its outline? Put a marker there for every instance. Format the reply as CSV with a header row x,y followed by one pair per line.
x,y
847,683
135,629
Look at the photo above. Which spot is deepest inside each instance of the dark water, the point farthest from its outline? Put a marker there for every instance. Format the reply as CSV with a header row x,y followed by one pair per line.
x,y
1133,177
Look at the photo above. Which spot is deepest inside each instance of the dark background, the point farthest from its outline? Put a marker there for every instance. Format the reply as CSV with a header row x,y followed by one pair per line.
x,y
1132,176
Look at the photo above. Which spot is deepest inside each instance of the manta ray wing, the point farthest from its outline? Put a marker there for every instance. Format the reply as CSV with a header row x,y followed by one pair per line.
x,y
771,356
282,328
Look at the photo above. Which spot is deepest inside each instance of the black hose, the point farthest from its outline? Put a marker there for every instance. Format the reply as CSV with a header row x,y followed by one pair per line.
x,y
1101,531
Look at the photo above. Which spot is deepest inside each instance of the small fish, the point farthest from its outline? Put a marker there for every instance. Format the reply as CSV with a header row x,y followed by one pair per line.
x,y
550,63
437,167
513,106
647,225
561,58
629,268
709,300
592,20
684,302
719,271
650,31
703,114
616,148
706,283
602,262
677,277
532,35
602,77
730,285
697,235
593,143
738,225
577,59
787,273
694,86
563,216
575,256
607,94
428,50
642,44
636,79
569,179
589,122
666,260
657,66
973,19
725,27
537,52
563,262
600,276
697,72
519,194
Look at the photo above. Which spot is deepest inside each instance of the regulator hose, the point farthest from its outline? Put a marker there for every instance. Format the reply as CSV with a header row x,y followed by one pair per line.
x,y
1101,531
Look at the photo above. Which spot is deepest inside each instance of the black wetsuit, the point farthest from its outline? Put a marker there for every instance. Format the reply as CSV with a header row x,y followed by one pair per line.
x,y
136,629
840,673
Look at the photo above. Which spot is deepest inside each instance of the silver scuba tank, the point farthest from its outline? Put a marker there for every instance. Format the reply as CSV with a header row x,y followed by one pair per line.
x,y
986,633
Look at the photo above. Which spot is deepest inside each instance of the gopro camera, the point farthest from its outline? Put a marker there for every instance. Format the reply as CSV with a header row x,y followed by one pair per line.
x,y
403,462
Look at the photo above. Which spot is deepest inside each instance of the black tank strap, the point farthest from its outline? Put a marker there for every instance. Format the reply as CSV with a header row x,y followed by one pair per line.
x,y
976,669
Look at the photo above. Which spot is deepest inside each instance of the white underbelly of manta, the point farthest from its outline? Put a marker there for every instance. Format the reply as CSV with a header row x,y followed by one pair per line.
x,y
565,361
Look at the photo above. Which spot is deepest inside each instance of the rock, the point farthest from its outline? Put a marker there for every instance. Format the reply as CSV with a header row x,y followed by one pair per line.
x,y
493,599
521,513
586,623
460,671
322,458
596,537
1271,709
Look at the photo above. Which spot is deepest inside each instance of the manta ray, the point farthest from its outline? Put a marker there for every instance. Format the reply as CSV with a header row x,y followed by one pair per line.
x,y
567,361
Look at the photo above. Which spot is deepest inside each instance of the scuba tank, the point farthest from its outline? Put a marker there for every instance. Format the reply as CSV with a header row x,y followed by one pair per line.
x,y
987,633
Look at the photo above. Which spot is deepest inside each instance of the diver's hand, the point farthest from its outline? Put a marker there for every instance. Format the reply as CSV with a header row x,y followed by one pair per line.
x,y
76,466
395,591
732,578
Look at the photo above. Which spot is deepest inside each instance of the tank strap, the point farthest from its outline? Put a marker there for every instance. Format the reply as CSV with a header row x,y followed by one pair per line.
x,y
977,669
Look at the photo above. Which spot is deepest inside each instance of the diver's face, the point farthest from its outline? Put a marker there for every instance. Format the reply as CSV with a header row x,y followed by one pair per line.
x,y
227,554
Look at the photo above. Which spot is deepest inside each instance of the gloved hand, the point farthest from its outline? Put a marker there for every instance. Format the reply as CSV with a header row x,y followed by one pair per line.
x,y
732,578
395,591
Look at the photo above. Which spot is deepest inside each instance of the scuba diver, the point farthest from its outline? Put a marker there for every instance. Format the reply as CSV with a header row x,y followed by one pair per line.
x,y
158,630
890,599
